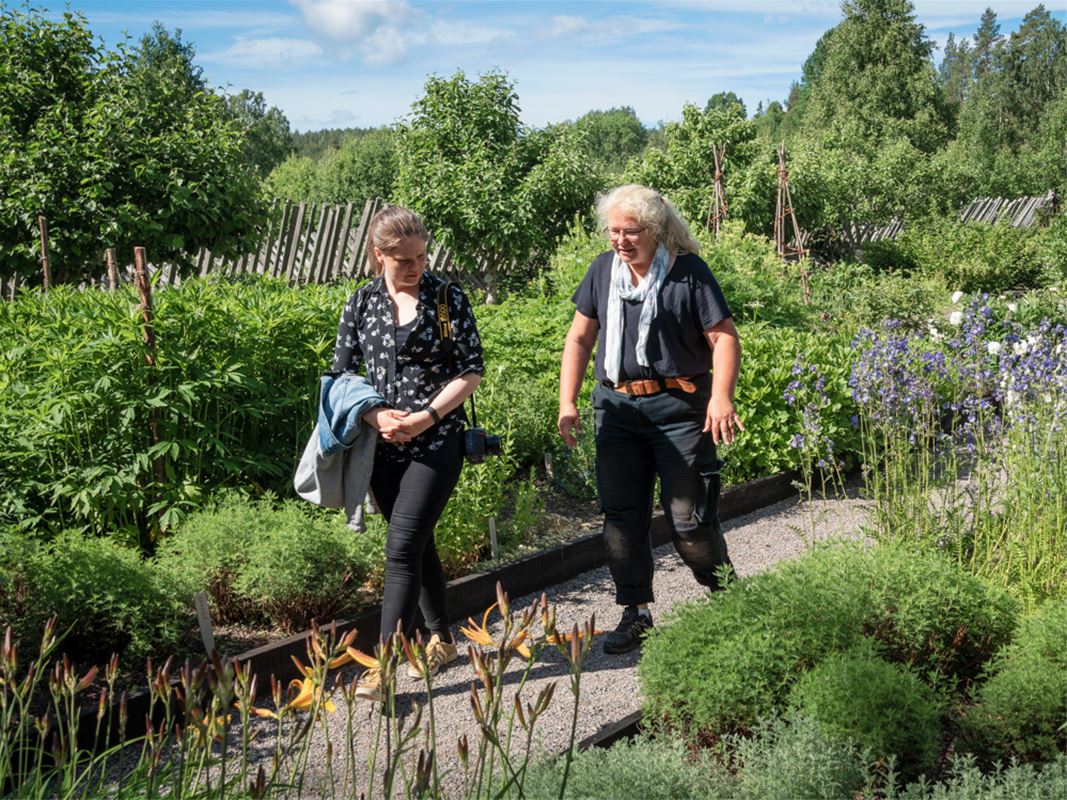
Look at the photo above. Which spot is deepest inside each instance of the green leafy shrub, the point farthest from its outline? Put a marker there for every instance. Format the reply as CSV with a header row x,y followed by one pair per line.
x,y
110,600
758,286
650,768
769,355
285,563
233,390
1021,709
968,782
930,614
723,662
793,757
1051,248
975,256
885,709
851,296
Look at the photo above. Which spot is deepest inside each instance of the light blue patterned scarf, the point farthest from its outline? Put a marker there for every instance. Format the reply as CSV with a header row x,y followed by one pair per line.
x,y
621,289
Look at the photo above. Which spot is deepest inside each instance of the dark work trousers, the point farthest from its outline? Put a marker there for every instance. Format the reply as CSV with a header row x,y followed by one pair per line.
x,y
412,495
638,438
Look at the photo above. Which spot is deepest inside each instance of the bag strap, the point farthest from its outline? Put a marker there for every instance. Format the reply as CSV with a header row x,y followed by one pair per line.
x,y
444,319
444,327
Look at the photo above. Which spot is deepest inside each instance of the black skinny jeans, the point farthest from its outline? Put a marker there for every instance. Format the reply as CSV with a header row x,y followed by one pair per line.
x,y
412,495
636,439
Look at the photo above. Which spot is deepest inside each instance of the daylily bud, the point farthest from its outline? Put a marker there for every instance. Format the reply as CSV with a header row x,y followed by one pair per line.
x,y
518,712
476,704
87,679
463,748
502,600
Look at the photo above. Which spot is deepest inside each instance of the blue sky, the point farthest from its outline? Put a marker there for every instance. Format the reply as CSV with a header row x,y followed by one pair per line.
x,y
340,63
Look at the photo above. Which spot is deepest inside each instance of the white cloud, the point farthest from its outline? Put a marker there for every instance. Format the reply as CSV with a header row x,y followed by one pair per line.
x,y
606,28
448,33
265,53
379,30
201,18
384,46
351,22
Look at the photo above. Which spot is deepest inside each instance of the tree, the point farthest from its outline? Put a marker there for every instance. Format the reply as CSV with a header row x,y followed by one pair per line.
x,y
986,40
490,190
363,168
877,76
267,139
114,148
613,137
723,101
296,178
685,170
955,72
1006,144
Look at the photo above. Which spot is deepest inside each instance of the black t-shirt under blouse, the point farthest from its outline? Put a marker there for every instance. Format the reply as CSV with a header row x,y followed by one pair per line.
x,y
690,302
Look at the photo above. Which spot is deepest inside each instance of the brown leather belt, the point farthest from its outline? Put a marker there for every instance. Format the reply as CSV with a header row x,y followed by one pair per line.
x,y
653,386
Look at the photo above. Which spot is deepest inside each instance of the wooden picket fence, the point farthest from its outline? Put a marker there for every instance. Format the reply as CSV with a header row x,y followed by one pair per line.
x,y
315,243
304,243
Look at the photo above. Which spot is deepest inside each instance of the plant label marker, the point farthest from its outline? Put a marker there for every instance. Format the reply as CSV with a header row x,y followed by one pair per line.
x,y
494,548
203,617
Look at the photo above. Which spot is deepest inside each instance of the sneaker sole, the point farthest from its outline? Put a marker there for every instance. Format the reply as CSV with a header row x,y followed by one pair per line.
x,y
618,651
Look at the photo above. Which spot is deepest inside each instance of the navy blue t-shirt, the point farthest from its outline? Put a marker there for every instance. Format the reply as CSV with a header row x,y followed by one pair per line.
x,y
690,302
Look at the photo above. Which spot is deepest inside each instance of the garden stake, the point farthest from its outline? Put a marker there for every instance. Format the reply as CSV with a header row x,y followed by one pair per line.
x,y
42,225
144,288
717,211
112,270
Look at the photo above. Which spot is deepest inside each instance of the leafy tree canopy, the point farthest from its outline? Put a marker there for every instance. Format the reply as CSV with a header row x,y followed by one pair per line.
x,y
267,140
493,191
363,167
115,148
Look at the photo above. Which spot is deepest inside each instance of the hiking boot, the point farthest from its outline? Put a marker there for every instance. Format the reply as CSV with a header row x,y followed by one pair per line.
x,y
629,633
438,653
370,685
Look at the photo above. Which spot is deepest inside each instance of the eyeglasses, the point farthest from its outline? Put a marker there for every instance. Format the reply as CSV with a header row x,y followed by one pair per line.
x,y
624,233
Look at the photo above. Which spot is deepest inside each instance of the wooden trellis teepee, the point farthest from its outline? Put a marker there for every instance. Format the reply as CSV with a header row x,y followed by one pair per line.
x,y
784,212
717,210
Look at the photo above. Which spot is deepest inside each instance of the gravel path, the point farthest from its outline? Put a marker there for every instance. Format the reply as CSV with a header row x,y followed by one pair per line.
x,y
609,684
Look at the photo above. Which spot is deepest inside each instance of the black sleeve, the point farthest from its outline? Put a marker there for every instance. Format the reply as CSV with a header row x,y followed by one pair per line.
x,y
710,302
465,333
347,354
586,297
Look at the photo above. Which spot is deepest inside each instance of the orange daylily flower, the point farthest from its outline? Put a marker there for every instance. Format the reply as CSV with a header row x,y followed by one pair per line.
x,y
518,644
304,696
361,658
564,638
479,634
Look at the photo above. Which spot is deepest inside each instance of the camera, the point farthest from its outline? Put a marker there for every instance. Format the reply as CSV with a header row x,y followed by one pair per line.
x,y
477,444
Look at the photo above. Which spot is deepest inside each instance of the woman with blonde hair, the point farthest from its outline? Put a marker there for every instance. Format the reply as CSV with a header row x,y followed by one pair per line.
x,y
391,326
660,324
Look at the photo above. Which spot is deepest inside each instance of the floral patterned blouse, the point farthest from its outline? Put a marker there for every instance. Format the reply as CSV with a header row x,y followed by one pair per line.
x,y
409,376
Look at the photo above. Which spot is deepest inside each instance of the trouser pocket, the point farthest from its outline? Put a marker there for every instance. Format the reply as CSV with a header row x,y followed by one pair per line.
x,y
709,487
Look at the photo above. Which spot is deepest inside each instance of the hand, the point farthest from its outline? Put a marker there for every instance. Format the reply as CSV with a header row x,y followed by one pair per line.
x,y
387,421
415,423
722,421
569,424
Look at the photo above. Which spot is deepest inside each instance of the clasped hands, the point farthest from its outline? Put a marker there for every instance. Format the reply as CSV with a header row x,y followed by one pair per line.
x,y
394,425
